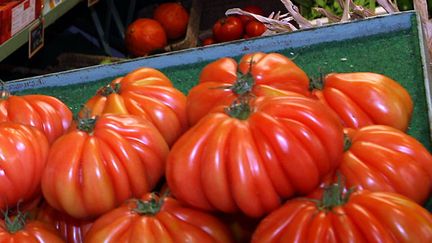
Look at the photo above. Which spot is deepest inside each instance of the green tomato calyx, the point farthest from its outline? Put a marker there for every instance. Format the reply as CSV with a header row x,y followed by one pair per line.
x,y
151,206
109,89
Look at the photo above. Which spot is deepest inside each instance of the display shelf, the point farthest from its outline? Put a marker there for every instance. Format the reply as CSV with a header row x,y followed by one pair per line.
x,y
21,37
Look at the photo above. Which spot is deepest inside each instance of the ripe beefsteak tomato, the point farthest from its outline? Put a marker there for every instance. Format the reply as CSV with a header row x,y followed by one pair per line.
x,y
157,219
101,162
144,36
259,74
228,29
362,216
251,157
44,112
148,93
364,98
173,17
23,155
19,228
383,158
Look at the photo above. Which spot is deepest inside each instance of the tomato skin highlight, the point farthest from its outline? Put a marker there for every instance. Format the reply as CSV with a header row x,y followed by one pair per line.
x,y
172,222
23,153
272,74
123,156
287,145
366,217
365,98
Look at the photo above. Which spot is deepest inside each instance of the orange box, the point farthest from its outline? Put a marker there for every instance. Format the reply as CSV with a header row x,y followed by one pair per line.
x,y
15,15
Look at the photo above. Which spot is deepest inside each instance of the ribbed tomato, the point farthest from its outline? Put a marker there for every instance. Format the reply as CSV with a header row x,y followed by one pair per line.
x,y
364,98
382,158
362,216
157,219
23,155
70,229
21,229
251,157
102,162
46,113
148,93
259,74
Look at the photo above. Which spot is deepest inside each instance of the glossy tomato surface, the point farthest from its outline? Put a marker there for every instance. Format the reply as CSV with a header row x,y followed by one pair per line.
x,y
148,93
364,98
23,155
259,74
382,158
91,172
47,113
281,149
366,217
154,219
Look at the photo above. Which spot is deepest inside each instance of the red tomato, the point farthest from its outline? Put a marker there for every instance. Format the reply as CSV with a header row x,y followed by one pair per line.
x,y
154,219
360,217
23,154
101,162
148,93
208,41
255,28
363,98
173,17
72,230
382,158
145,36
47,113
251,9
273,149
260,74
21,229
228,29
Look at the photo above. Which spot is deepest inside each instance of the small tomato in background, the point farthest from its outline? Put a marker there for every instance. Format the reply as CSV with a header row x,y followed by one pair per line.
x,y
228,29
145,36
251,9
208,41
173,17
254,28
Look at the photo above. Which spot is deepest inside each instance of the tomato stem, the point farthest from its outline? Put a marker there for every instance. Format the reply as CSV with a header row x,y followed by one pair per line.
x,y
86,122
109,89
151,206
335,195
317,83
245,82
239,109
17,223
347,142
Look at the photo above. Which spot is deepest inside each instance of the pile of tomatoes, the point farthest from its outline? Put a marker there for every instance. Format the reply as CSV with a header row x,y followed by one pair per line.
x,y
255,152
236,27
169,22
